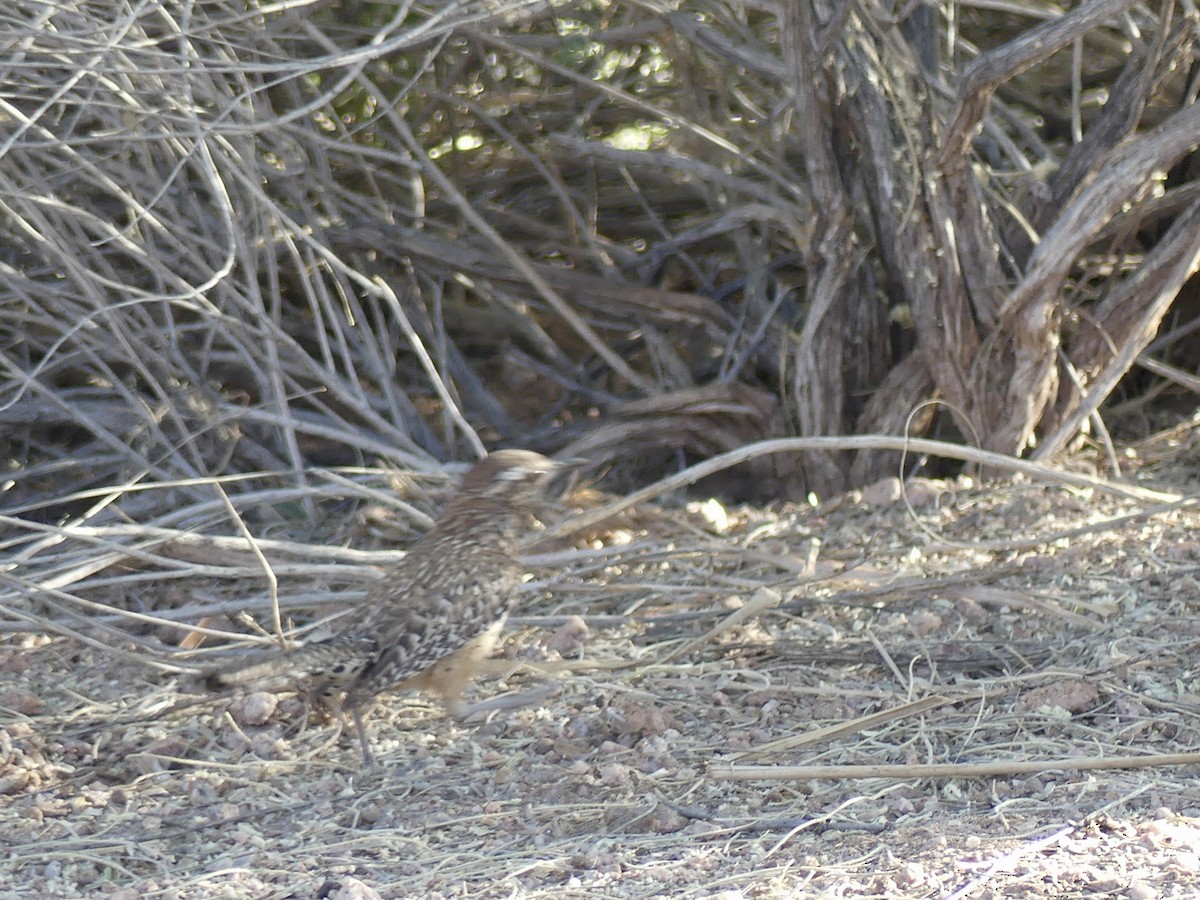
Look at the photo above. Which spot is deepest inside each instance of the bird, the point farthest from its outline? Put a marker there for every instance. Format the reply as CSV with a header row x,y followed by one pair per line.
x,y
431,620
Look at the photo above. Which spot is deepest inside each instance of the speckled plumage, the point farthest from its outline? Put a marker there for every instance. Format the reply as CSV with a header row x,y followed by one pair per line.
x,y
430,621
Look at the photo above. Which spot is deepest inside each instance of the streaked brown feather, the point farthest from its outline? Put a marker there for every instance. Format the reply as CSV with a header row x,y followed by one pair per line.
x,y
440,605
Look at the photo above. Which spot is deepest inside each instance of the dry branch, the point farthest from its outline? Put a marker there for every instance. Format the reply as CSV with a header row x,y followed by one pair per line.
x,y
999,768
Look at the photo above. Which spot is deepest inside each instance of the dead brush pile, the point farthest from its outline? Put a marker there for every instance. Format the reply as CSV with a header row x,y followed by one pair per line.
x,y
252,253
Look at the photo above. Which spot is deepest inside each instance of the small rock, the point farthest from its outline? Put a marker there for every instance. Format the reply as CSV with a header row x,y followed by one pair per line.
x,y
971,610
643,719
713,513
227,812
353,889
22,702
924,492
570,636
665,821
1187,862
159,756
254,709
14,782
911,874
615,775
1072,696
924,622
882,493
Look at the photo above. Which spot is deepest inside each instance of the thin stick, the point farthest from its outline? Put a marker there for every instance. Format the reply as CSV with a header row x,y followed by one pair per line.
x,y
874,720
764,598
272,581
731,458
949,770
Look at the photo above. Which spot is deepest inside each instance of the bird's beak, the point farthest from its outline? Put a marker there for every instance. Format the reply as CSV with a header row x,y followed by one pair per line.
x,y
570,463
565,472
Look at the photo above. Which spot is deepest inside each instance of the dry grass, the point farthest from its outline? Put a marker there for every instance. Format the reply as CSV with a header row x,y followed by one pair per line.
x,y
715,639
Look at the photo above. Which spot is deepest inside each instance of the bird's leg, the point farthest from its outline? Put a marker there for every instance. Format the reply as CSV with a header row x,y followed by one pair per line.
x,y
349,703
367,756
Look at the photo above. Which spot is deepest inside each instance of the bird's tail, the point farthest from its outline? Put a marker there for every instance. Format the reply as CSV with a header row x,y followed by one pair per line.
x,y
337,659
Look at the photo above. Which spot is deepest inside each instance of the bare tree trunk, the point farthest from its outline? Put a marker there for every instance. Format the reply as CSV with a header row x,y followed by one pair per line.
x,y
987,301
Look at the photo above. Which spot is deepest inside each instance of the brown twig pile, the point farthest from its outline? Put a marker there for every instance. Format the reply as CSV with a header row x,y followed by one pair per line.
x,y
248,253
242,241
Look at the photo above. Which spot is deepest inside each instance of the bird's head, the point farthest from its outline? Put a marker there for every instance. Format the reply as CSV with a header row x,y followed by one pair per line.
x,y
514,477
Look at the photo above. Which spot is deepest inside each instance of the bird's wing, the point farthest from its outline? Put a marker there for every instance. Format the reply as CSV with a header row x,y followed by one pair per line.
x,y
423,628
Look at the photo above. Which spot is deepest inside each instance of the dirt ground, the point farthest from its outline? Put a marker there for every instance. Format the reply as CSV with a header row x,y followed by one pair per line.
x,y
1012,623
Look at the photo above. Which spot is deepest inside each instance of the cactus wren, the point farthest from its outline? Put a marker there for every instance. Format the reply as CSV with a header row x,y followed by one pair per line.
x,y
430,621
